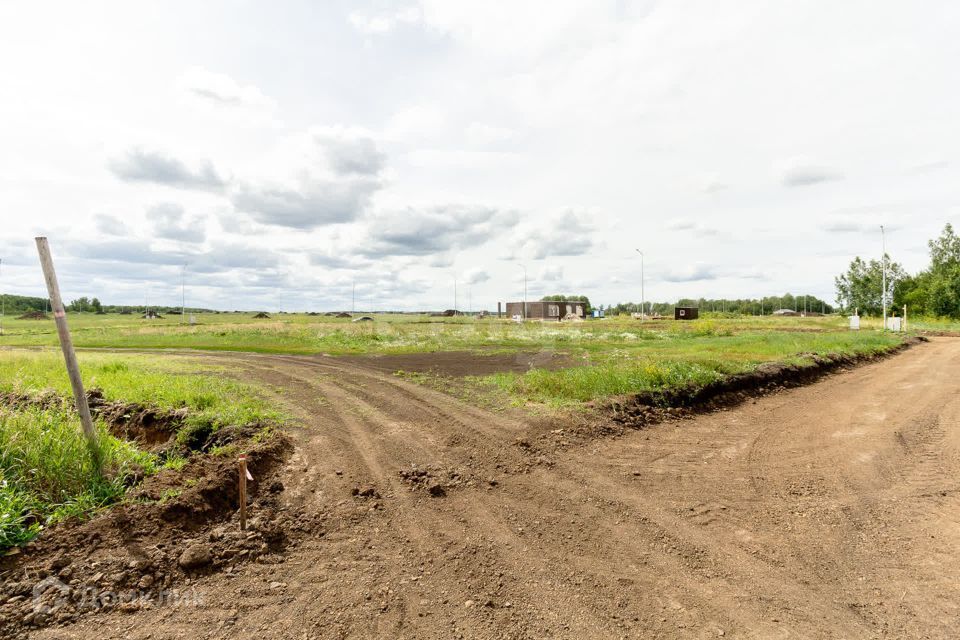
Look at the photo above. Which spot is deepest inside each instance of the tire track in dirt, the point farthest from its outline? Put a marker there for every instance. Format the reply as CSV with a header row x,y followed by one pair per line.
x,y
825,511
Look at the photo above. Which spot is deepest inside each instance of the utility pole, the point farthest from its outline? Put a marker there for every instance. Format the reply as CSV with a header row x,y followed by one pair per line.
x,y
454,294
353,297
883,268
183,294
643,300
3,303
69,355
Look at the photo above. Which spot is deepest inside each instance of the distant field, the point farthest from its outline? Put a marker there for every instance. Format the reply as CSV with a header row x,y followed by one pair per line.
x,y
390,333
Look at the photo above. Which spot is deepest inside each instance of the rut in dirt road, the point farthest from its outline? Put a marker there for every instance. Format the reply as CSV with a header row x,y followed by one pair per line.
x,y
825,511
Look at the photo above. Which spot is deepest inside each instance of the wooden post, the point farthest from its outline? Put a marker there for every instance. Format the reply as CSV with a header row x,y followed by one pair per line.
x,y
904,317
69,355
243,492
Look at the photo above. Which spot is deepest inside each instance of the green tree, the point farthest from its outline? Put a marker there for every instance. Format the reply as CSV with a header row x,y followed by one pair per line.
x,y
80,304
939,286
862,285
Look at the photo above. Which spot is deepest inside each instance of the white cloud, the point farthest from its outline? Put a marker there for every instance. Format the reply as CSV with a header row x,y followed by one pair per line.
x,y
664,126
381,23
435,230
222,90
476,276
148,165
800,172
569,233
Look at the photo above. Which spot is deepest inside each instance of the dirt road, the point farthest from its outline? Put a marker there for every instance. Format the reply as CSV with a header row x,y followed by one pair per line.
x,y
829,511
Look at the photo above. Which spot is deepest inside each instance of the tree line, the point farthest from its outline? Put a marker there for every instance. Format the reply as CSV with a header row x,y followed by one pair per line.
x,y
934,291
740,306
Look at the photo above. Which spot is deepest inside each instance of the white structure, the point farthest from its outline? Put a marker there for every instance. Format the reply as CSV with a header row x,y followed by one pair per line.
x,y
855,323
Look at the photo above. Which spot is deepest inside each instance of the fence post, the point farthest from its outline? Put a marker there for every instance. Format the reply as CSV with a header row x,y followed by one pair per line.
x,y
69,355
243,492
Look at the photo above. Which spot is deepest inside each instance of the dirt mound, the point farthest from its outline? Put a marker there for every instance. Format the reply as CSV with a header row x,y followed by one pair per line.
x,y
342,314
34,315
262,315
150,427
437,481
176,525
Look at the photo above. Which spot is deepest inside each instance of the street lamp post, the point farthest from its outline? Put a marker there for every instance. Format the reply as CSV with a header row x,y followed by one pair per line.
x,y
643,300
183,294
883,269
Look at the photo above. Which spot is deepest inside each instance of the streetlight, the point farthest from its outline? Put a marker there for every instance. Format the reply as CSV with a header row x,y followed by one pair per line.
x,y
524,267
643,301
183,294
883,269
3,304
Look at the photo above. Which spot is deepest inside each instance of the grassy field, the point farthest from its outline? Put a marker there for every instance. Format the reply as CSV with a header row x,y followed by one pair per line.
x,y
44,468
390,333
46,473
691,359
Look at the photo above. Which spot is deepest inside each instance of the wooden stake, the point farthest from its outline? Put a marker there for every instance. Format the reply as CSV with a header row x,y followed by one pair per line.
x,y
69,355
243,492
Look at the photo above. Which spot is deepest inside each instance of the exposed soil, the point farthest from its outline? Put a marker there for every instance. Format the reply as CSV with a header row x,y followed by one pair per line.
x,y
176,525
34,315
940,333
151,428
639,409
822,511
460,364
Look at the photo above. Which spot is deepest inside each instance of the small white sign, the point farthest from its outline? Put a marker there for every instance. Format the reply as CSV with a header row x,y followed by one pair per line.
x,y
855,323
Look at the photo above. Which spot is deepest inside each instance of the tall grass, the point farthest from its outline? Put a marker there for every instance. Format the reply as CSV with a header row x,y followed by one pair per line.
x,y
168,383
702,356
47,471
46,467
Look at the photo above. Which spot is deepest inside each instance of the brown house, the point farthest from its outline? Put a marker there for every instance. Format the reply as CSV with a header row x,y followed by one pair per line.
x,y
551,310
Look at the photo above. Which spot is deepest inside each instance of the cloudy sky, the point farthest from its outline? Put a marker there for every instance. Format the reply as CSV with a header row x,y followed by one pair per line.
x,y
289,151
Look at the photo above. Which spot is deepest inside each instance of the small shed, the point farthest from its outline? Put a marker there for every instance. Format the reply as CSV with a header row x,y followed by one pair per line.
x,y
686,313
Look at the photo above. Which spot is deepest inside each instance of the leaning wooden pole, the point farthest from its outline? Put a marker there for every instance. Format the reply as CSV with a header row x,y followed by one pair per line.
x,y
69,355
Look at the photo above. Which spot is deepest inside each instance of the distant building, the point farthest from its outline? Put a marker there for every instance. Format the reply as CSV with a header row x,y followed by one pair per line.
x,y
550,310
785,312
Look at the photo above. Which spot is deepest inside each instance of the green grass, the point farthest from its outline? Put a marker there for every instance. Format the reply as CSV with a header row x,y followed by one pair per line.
x,y
46,469
170,382
390,333
47,472
693,360
42,460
